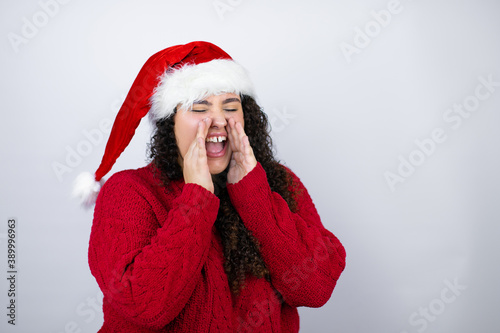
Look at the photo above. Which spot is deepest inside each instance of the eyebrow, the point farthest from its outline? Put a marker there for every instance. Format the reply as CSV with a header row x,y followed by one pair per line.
x,y
230,100
226,101
202,102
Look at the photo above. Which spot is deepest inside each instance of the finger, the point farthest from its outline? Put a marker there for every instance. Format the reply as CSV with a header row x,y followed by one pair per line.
x,y
228,127
202,152
245,149
241,136
202,139
246,146
234,136
195,146
188,162
200,133
206,122
230,133
191,148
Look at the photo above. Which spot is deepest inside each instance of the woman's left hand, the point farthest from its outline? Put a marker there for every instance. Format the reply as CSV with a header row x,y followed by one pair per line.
x,y
242,160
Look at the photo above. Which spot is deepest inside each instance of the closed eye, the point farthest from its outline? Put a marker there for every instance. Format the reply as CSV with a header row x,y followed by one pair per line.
x,y
198,110
231,110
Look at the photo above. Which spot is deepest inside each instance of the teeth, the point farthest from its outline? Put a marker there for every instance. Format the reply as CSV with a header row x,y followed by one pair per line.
x,y
216,139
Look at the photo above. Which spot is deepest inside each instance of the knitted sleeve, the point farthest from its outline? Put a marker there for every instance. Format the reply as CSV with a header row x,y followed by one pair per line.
x,y
148,265
304,259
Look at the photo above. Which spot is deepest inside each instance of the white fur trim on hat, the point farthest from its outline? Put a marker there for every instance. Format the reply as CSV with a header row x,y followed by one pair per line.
x,y
86,188
191,83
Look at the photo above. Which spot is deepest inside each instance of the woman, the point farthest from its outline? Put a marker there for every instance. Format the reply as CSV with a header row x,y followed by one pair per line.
x,y
214,235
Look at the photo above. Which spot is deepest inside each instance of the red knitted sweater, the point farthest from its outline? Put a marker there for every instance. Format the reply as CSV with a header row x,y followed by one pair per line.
x,y
158,259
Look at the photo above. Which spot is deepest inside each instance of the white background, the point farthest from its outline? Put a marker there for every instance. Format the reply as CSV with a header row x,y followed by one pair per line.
x,y
340,122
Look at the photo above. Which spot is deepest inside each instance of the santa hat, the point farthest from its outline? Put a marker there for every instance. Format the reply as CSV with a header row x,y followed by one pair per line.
x,y
179,74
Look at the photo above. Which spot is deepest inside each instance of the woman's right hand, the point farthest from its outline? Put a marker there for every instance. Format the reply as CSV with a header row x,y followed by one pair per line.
x,y
195,164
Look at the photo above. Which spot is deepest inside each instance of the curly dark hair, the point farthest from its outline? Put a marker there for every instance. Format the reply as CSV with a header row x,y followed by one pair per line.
x,y
241,248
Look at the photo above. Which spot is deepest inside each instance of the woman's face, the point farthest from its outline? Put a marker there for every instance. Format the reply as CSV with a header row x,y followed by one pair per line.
x,y
219,108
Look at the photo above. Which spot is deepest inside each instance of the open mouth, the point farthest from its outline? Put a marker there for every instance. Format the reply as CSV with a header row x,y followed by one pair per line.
x,y
216,146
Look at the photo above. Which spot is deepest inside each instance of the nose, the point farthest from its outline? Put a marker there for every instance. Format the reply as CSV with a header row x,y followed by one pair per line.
x,y
219,119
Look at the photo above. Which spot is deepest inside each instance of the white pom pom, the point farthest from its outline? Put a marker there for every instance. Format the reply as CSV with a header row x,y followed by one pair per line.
x,y
86,188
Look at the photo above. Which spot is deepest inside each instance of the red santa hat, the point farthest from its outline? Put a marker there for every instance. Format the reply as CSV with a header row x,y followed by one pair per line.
x,y
178,75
